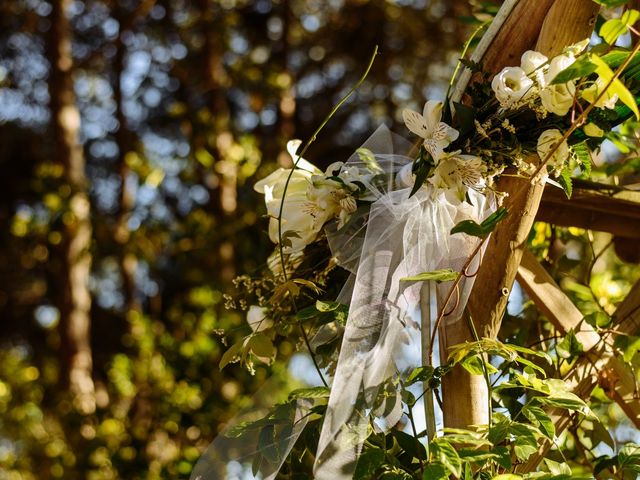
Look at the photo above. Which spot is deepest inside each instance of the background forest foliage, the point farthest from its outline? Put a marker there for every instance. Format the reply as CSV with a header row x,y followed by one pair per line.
x,y
131,132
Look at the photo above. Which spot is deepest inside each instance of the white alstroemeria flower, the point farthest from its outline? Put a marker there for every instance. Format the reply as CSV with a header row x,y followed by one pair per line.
x,y
511,86
558,98
456,173
546,143
608,100
437,135
257,319
294,216
329,198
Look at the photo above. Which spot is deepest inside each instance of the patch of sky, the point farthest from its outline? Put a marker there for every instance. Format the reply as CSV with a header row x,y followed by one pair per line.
x,y
104,192
263,6
199,194
311,23
309,85
105,284
143,280
47,316
238,43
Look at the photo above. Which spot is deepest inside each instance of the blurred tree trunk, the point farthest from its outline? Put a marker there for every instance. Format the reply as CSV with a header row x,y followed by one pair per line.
x,y
221,139
74,300
287,106
127,261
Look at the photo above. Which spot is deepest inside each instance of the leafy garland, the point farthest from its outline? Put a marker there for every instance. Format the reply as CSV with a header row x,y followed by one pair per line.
x,y
541,120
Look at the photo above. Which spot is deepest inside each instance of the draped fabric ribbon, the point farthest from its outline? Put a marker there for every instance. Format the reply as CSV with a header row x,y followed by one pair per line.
x,y
401,237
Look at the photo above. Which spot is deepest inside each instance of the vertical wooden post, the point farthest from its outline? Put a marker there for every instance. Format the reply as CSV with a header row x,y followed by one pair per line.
x,y
564,23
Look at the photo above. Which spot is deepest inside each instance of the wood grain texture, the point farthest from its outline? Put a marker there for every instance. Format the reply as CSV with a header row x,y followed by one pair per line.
x,y
553,302
591,210
504,251
518,34
583,14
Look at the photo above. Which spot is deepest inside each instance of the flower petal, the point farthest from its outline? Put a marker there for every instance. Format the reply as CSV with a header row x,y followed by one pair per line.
x,y
300,163
433,114
415,122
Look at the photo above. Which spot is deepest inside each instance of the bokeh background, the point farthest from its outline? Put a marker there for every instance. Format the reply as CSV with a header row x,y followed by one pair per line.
x,y
131,132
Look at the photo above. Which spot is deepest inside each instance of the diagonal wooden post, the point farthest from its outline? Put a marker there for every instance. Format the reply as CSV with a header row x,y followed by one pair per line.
x,y
564,23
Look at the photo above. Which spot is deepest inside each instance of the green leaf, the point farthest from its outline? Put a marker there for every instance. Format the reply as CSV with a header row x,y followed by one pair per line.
x,y
447,455
421,169
616,87
262,347
444,275
465,116
526,440
481,230
419,374
323,306
629,457
578,69
474,365
614,28
570,347
504,457
557,468
565,181
629,345
475,456
435,471
312,392
231,354
368,463
539,418
567,400
267,444
583,156
409,444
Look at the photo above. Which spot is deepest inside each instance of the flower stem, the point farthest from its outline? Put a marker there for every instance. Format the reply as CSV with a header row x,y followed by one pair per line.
x,y
284,194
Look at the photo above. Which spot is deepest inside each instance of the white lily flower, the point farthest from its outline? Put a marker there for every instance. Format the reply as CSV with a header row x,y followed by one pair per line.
x,y
295,217
436,134
546,143
511,86
456,173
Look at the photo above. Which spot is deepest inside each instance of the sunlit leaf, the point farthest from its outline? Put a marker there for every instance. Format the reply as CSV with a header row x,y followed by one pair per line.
x,y
444,275
616,87
485,228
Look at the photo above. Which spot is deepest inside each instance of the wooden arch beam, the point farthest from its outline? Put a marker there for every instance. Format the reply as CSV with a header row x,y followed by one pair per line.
x,y
550,25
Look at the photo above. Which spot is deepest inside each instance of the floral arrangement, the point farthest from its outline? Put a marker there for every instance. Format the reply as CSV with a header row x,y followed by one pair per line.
x,y
541,120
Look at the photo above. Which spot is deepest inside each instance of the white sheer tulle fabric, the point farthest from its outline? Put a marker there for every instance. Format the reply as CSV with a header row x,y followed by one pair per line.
x,y
404,236
401,236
